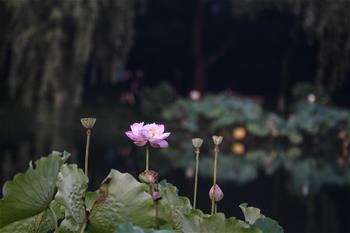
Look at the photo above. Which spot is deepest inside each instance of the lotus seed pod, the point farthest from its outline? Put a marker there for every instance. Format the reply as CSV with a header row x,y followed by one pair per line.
x,y
218,195
197,142
217,140
88,123
149,177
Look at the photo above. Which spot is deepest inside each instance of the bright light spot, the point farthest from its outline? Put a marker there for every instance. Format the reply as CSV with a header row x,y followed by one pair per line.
x,y
311,98
239,133
189,172
195,95
238,148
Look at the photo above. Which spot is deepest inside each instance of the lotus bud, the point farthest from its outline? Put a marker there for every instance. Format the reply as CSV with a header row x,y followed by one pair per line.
x,y
218,195
156,196
217,140
197,142
88,123
149,177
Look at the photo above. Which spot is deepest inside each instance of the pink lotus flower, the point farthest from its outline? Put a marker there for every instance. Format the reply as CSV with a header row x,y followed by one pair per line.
x,y
218,195
152,133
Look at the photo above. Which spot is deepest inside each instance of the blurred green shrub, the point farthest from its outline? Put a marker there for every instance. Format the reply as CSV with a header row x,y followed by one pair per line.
x,y
310,144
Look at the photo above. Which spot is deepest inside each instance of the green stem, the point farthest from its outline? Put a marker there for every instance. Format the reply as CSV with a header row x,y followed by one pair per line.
x,y
82,230
155,202
87,152
196,181
147,158
216,208
54,219
156,215
214,182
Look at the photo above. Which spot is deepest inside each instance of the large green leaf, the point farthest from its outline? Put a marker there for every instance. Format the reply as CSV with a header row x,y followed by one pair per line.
x,y
122,199
40,223
251,214
30,193
196,221
90,200
170,203
129,228
177,212
268,225
71,188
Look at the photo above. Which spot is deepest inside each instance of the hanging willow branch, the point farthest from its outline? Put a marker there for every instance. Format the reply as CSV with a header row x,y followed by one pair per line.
x,y
47,49
325,22
51,43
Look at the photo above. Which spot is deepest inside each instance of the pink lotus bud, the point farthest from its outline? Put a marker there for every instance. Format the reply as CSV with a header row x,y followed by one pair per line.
x,y
218,195
149,177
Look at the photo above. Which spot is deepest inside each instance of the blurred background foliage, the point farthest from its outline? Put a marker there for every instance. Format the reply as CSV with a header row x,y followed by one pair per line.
x,y
305,150
325,23
51,51
310,144
270,76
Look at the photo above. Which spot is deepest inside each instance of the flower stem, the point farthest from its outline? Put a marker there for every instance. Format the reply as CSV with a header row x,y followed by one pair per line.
x,y
82,230
156,224
54,219
196,181
216,208
214,180
88,133
147,158
155,202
